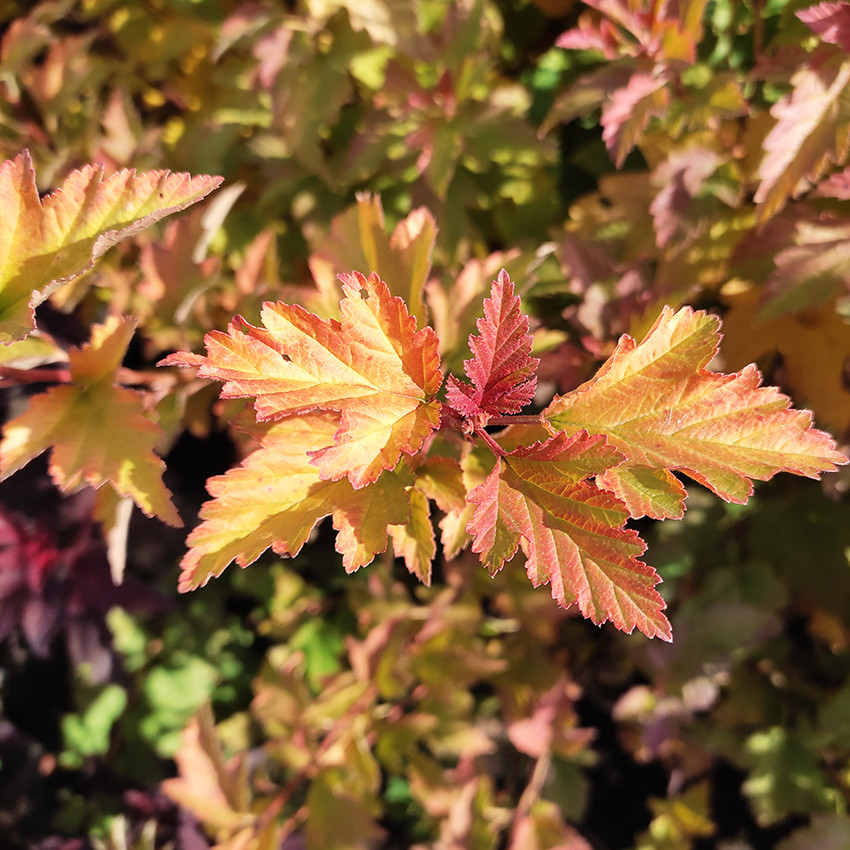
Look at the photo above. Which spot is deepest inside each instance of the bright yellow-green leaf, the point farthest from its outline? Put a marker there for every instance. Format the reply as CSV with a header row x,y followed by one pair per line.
x,y
47,242
658,404
276,496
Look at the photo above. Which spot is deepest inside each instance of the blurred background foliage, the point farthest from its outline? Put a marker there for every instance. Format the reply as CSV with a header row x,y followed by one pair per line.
x,y
654,154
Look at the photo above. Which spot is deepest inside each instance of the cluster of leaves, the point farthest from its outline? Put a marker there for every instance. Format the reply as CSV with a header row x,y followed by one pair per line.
x,y
348,398
426,700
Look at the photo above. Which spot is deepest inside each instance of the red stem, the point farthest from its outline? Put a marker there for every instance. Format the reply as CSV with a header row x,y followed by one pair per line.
x,y
518,419
489,442
11,375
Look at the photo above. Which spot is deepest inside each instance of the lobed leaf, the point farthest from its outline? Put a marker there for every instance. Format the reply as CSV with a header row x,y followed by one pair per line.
x,y
570,530
372,367
659,406
812,129
98,431
502,369
276,497
47,242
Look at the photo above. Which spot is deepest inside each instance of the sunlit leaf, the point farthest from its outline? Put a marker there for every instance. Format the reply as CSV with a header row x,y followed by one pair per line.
x,y
46,242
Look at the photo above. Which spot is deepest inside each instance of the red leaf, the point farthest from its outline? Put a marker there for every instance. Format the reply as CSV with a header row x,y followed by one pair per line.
x,y
831,21
502,369
571,531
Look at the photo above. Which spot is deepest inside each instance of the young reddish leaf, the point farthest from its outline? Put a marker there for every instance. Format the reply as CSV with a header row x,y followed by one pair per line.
x,y
45,243
276,496
811,130
658,405
98,431
502,369
628,111
831,21
415,541
571,531
373,367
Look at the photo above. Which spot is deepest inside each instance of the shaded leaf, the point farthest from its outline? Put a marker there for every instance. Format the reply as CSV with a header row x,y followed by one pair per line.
x,y
98,431
814,346
358,240
339,818
785,777
415,540
441,479
827,831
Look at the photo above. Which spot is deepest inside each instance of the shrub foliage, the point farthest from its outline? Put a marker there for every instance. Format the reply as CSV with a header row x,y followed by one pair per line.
x,y
483,282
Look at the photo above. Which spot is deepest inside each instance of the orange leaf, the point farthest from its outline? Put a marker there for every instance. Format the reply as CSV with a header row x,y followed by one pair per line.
x,y
373,367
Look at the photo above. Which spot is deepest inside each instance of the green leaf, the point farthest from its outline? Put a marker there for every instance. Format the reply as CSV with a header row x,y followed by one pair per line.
x,y
87,732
